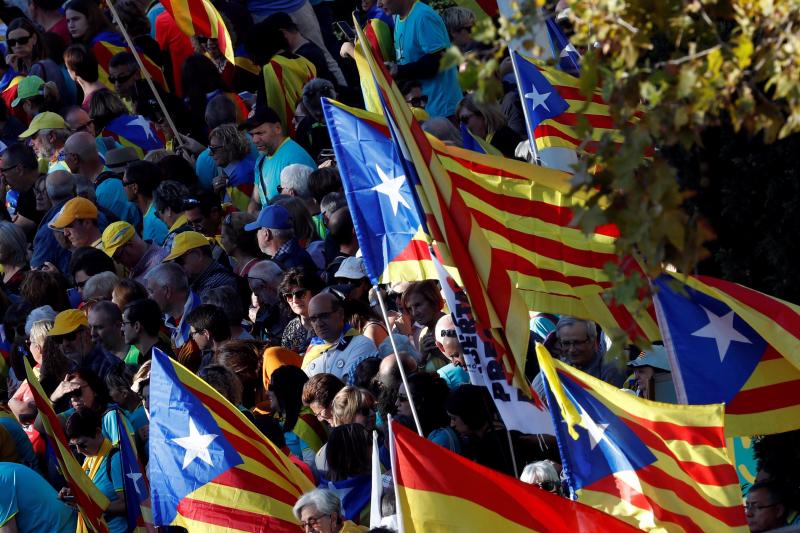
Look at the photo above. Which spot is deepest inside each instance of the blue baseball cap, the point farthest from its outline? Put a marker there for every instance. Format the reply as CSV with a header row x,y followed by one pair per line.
x,y
272,217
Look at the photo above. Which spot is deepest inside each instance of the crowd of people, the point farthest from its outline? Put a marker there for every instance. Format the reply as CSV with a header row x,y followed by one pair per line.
x,y
215,228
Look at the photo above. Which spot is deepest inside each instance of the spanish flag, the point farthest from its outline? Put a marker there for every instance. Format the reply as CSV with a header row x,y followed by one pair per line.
x,y
657,466
210,468
90,500
438,490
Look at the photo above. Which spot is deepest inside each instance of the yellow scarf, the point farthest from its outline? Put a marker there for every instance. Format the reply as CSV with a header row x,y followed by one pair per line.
x,y
315,350
91,465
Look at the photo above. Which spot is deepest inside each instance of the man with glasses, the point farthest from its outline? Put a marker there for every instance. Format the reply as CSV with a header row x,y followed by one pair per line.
x,y
19,170
47,133
71,333
578,342
78,120
766,507
208,328
455,372
123,73
276,239
124,246
192,252
141,324
333,350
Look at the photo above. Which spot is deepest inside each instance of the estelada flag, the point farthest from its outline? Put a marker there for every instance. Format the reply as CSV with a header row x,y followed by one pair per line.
x,y
90,500
137,489
210,468
733,345
201,18
657,466
438,490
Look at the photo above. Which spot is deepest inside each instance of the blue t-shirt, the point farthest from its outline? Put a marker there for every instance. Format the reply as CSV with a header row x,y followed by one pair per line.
x,y
453,375
423,32
111,195
30,499
113,489
206,168
21,441
153,228
268,168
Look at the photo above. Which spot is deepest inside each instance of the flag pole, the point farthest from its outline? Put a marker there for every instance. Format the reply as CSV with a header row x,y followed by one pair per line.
x,y
399,361
393,463
144,71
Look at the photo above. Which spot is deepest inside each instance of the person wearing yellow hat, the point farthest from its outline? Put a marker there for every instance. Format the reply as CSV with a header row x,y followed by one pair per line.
x,y
48,132
70,332
192,252
78,220
124,246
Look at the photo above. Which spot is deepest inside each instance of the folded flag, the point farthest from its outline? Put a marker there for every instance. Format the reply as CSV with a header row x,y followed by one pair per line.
x,y
137,490
90,500
438,490
134,131
569,60
200,18
733,345
284,79
657,466
210,468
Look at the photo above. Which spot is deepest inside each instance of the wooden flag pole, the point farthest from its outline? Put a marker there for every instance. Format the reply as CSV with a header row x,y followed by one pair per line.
x,y
144,71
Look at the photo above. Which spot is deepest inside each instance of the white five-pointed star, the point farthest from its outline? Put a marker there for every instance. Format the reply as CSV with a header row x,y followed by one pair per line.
x,y
720,328
140,121
391,188
538,99
196,445
596,431
135,477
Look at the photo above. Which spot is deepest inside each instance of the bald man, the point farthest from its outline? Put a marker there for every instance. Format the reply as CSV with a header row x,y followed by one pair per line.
x,y
455,372
333,350
80,154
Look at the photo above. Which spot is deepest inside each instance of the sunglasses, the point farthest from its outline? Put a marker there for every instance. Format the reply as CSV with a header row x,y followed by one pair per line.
x,y
295,294
549,486
214,149
448,333
120,79
69,337
418,101
18,41
84,127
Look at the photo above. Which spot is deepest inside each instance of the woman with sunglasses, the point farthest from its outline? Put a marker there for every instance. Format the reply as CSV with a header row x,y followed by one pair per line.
x,y
28,55
487,124
296,289
102,464
305,435
543,474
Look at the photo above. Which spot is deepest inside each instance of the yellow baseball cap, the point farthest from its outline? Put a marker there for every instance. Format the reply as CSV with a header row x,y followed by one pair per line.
x,y
188,240
77,208
115,235
68,321
44,121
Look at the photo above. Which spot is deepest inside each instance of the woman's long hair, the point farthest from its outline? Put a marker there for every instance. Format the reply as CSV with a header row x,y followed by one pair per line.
x,y
287,385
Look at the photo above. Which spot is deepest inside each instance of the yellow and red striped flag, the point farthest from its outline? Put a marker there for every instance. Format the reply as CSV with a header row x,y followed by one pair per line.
x,y
438,490
284,79
657,466
107,44
210,468
450,222
90,500
733,345
201,18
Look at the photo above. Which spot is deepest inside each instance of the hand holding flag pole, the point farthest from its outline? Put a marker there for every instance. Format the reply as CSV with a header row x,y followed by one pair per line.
x,y
144,72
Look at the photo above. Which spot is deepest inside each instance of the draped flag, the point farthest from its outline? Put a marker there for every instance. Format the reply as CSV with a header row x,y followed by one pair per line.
x,y
210,468
438,490
107,44
134,131
657,466
284,79
137,490
200,18
452,224
90,500
733,345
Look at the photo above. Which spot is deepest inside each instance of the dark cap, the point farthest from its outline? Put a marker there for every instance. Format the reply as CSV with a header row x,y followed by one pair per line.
x,y
260,115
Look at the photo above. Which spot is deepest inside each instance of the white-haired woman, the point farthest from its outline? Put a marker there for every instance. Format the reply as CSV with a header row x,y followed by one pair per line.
x,y
13,256
320,511
543,474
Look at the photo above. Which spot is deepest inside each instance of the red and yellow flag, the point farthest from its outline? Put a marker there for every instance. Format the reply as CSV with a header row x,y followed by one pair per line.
x,y
438,490
90,500
201,18
284,79
107,44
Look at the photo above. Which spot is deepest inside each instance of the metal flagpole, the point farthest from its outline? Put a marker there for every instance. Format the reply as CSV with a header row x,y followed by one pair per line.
x,y
399,361
144,71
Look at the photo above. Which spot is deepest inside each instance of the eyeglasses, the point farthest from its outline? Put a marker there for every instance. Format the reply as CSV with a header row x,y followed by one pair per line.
x,y
18,41
296,294
549,486
313,521
196,332
214,149
418,101
121,79
83,127
572,344
448,333
69,337
320,316
7,169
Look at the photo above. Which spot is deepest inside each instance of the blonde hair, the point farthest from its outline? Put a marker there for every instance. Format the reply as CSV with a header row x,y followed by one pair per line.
x,y
39,331
348,402
232,139
491,112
